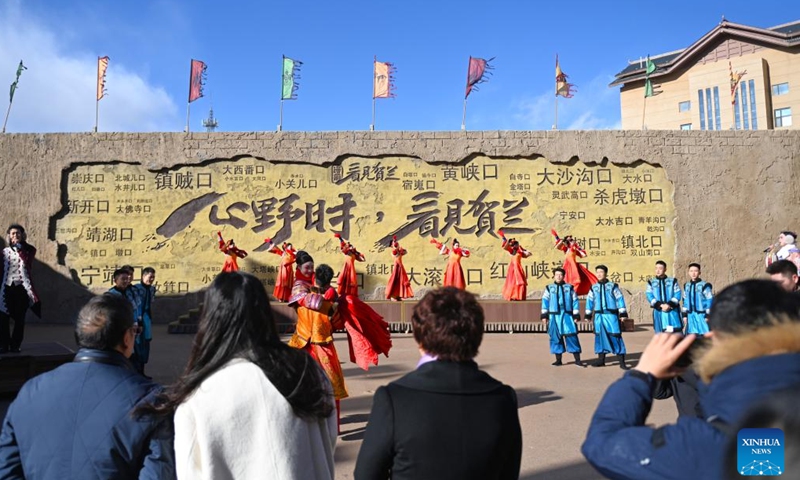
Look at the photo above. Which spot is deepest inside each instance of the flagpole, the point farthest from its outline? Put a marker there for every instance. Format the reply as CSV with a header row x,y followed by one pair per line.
x,y
464,116
280,120
555,124
188,106
372,125
7,113
374,63
644,108
96,114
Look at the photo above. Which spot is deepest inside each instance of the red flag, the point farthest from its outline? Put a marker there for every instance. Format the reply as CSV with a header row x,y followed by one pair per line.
x,y
197,80
477,71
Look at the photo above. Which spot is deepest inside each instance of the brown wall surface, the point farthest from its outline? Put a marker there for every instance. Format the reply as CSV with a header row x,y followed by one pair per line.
x,y
734,190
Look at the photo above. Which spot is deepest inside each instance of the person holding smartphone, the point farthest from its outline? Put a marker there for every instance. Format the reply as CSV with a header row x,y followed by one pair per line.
x,y
754,351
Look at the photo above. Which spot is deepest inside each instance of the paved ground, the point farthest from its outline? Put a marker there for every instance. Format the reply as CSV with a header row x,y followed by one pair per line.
x,y
555,403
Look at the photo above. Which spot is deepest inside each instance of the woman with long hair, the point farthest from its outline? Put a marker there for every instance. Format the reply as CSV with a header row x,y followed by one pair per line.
x,y
248,405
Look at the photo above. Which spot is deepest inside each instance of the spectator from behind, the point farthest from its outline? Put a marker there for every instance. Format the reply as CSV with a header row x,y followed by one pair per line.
x,y
755,351
248,405
447,419
76,421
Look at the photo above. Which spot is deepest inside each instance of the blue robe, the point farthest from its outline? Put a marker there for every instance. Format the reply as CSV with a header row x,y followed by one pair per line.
x,y
660,291
606,304
145,297
697,298
560,308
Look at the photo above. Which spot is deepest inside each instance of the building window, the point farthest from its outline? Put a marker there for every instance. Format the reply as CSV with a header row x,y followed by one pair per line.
x,y
783,117
716,108
737,119
709,111
701,107
743,95
780,89
753,114
686,126
684,106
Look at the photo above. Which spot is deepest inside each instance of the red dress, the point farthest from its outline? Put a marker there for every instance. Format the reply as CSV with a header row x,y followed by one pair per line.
x,y
454,275
367,332
516,285
399,285
285,279
347,282
231,254
574,273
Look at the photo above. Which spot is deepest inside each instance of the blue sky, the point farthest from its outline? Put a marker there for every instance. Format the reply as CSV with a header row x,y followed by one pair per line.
x,y
151,42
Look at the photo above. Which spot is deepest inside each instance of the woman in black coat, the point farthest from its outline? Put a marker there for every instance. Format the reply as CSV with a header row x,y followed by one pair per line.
x,y
447,419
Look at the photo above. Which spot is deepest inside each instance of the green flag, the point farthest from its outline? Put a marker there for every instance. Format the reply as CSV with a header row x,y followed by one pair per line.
x,y
20,68
291,73
648,85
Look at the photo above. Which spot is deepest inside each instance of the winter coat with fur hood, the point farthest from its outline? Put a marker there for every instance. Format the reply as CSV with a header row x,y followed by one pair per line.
x,y
735,373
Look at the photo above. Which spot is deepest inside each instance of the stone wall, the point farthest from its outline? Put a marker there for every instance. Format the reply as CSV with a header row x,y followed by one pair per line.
x,y
733,190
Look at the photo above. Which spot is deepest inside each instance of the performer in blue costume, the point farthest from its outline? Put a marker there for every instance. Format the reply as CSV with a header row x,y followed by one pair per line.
x,y
559,310
606,305
146,292
697,297
664,295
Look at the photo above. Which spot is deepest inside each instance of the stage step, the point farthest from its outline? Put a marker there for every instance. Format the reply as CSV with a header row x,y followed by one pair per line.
x,y
35,358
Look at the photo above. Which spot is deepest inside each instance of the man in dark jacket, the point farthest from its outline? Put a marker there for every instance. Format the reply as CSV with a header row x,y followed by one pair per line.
x,y
447,419
755,351
77,421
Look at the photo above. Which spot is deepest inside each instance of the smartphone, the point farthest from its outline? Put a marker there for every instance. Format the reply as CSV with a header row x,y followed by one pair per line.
x,y
686,360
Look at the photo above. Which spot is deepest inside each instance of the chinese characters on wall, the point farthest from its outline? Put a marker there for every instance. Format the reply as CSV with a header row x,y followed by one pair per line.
x,y
125,214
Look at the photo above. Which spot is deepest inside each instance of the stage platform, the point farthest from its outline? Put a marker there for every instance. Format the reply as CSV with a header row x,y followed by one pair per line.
x,y
35,358
501,317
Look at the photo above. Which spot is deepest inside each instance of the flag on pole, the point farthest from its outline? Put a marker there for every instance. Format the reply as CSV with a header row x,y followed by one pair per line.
x,y
735,78
650,89
383,80
291,74
477,72
102,66
563,88
197,80
20,68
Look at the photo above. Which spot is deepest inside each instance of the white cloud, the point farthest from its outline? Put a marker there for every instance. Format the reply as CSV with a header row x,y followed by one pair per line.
x,y
57,92
594,106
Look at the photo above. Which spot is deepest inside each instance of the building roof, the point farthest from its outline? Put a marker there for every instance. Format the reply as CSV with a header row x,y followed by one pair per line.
x,y
786,35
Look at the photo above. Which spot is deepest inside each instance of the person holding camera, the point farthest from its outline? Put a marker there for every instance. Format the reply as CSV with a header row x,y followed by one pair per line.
x,y
755,351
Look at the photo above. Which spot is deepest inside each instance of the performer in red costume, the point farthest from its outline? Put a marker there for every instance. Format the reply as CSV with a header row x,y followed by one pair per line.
x,y
516,286
453,275
399,286
285,279
575,274
232,253
347,283
367,332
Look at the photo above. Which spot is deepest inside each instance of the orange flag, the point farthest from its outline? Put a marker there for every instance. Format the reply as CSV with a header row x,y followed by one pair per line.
x,y
102,66
383,80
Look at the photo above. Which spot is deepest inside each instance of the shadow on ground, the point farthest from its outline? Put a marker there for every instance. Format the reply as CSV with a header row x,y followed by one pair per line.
x,y
528,396
573,471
